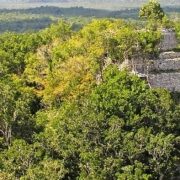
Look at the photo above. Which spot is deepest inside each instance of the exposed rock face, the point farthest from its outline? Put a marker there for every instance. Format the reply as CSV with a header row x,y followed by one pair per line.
x,y
169,55
163,72
166,64
169,40
170,81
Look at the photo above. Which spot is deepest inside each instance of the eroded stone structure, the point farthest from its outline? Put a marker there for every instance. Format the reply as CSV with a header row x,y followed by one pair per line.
x,y
169,40
164,71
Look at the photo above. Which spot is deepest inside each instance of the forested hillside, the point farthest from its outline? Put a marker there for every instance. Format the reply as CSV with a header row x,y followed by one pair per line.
x,y
65,114
34,19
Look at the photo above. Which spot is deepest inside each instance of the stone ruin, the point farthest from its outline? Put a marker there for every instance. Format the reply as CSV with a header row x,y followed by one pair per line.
x,y
169,40
163,72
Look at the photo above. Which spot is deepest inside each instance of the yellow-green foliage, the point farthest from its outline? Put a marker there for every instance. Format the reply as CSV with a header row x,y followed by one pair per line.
x,y
66,114
72,60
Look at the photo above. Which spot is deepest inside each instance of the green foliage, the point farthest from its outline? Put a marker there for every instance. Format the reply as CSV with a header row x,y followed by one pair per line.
x,y
154,14
120,131
67,112
19,157
47,169
15,49
136,171
152,11
16,114
34,19
52,68
148,42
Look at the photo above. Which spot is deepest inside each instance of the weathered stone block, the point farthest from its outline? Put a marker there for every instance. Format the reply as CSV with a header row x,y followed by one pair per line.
x,y
170,81
166,65
169,55
169,40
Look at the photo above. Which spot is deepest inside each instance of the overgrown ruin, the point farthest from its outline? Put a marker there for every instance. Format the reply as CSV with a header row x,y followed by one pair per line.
x,y
164,71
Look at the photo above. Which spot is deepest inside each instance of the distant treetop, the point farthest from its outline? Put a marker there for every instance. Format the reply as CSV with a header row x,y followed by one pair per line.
x,y
152,11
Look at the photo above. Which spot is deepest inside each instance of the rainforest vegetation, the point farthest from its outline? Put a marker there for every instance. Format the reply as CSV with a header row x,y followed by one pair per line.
x,y
64,114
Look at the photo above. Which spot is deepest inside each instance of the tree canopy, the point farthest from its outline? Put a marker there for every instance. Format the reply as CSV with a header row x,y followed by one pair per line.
x,y
68,112
152,11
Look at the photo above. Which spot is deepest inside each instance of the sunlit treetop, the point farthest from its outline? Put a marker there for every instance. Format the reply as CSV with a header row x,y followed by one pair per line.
x,y
152,11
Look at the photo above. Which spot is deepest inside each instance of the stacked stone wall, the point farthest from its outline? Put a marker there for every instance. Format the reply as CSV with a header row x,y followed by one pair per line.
x,y
169,55
170,81
169,40
163,72
165,65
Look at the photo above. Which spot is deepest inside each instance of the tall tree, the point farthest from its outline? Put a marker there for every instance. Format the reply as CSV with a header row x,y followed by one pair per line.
x,y
152,11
